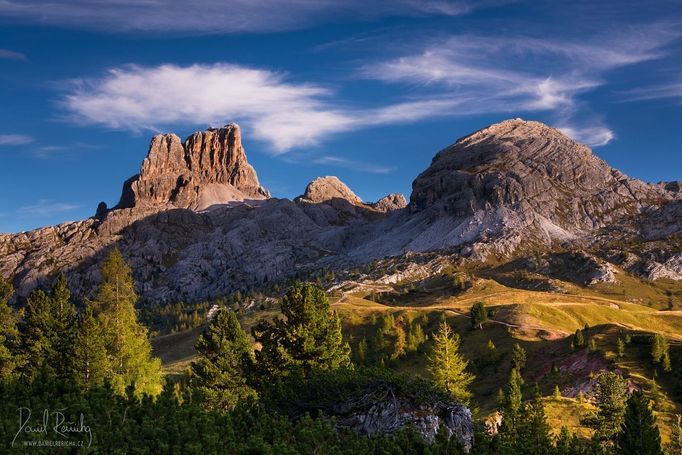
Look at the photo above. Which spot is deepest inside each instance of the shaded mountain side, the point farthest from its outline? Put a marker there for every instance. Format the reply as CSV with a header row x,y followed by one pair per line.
x,y
196,223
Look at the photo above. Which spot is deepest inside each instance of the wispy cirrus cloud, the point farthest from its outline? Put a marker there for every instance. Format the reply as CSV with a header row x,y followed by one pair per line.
x,y
201,17
45,207
672,90
15,139
522,74
353,164
12,55
594,136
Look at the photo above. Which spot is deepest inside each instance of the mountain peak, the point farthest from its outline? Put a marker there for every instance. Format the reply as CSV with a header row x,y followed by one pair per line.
x,y
208,168
323,189
532,169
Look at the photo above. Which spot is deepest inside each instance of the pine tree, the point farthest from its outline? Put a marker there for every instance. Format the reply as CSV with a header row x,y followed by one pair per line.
x,y
518,357
491,355
8,330
592,346
557,392
675,445
362,352
415,337
309,338
578,339
64,318
610,393
479,315
620,348
639,433
127,342
224,357
90,363
48,331
510,431
447,366
400,342
534,435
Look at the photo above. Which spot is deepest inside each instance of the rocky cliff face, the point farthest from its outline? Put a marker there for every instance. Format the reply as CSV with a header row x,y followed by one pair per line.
x,y
209,168
506,191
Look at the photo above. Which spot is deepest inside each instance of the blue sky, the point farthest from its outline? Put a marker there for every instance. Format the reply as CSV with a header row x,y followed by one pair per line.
x,y
367,91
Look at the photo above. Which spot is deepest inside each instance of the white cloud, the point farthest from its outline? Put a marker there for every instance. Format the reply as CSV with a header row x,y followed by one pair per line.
x,y
12,55
284,114
15,139
655,92
594,136
45,207
355,165
200,17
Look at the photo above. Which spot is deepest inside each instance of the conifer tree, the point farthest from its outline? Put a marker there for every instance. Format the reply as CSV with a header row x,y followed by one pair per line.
x,y
620,348
639,433
48,331
518,357
219,375
578,339
309,338
400,341
675,445
534,433
90,363
479,315
415,337
447,366
8,330
610,393
127,342
361,353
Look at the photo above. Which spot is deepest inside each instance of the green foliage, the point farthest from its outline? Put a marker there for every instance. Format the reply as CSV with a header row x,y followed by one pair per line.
x,y
400,341
579,339
660,351
90,362
126,340
610,393
639,433
675,445
592,346
447,366
518,360
492,356
8,330
48,331
557,392
309,338
620,346
415,337
224,358
479,315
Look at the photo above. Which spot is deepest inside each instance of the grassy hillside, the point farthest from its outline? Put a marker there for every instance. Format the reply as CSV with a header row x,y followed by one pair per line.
x,y
541,322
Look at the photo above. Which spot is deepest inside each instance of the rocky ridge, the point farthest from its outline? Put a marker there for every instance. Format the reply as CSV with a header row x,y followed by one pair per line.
x,y
506,191
208,168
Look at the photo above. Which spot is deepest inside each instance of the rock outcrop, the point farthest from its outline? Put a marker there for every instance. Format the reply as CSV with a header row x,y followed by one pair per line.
x,y
324,189
209,168
385,410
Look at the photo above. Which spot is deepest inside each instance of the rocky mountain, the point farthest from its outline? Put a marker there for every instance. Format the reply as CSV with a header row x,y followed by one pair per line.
x,y
209,168
196,223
